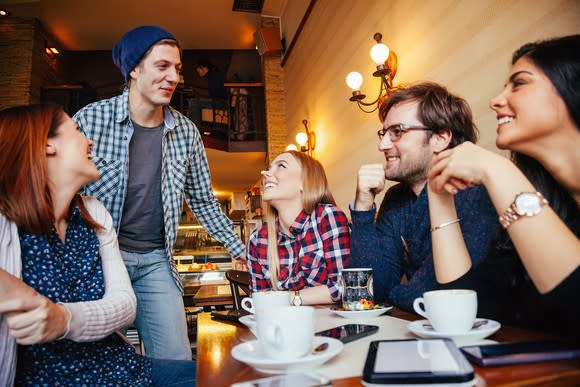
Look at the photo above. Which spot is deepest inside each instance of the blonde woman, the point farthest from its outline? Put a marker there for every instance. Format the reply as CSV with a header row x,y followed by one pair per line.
x,y
304,243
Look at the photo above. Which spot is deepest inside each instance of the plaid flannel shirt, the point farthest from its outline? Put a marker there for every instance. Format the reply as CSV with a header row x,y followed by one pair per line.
x,y
185,171
314,254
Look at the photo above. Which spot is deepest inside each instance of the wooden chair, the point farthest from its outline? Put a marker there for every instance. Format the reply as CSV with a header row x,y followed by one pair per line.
x,y
239,282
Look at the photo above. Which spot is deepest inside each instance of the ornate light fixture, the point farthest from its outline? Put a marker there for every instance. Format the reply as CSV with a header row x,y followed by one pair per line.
x,y
307,141
386,61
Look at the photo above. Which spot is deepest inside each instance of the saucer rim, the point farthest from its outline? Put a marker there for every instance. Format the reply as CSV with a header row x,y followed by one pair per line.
x,y
416,327
276,366
362,313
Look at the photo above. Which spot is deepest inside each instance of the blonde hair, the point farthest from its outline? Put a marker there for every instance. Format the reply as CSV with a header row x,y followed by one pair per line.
x,y
315,191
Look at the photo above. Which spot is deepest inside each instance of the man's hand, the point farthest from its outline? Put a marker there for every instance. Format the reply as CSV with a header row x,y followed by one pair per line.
x,y
241,263
370,182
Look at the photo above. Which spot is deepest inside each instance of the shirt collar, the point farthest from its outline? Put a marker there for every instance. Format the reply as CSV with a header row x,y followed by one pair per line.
x,y
122,106
123,111
298,225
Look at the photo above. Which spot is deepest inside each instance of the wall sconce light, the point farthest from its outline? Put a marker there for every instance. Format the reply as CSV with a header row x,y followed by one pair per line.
x,y
306,141
51,50
386,61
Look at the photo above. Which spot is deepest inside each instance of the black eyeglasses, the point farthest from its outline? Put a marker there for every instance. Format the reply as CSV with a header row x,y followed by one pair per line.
x,y
396,131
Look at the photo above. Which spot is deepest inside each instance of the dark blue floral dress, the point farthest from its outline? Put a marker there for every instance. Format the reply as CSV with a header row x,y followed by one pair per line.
x,y
72,272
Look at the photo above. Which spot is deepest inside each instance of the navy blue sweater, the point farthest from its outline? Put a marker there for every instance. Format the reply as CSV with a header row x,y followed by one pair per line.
x,y
404,216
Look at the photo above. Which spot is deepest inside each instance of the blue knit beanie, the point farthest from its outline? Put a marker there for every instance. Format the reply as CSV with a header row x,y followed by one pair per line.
x,y
130,49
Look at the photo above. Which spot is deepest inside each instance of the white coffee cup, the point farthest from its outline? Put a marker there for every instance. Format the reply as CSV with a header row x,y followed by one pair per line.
x,y
285,333
266,300
449,311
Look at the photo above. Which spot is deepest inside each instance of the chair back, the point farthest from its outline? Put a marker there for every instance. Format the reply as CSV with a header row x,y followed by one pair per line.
x,y
239,282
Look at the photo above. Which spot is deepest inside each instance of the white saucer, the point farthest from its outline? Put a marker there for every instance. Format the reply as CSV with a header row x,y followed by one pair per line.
x,y
251,354
358,314
475,334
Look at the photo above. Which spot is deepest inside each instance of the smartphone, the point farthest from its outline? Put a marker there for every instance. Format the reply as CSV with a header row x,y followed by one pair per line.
x,y
230,315
423,361
521,352
287,380
349,332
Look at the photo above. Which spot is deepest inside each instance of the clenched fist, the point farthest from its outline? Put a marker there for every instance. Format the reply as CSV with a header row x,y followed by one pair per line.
x,y
370,182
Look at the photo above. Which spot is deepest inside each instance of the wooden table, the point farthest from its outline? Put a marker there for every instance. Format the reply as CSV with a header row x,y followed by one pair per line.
x,y
216,367
213,295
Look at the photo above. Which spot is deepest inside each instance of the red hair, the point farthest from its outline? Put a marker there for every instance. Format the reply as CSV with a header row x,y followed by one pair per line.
x,y
24,195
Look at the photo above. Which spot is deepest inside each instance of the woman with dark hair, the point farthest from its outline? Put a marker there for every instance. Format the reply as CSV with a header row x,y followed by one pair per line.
x,y
304,243
64,289
533,276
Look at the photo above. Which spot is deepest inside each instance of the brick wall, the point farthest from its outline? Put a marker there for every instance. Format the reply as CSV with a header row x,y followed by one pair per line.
x,y
16,42
24,67
275,105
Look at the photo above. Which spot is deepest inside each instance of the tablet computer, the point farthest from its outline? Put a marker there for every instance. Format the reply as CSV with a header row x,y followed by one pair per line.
x,y
521,352
422,361
230,315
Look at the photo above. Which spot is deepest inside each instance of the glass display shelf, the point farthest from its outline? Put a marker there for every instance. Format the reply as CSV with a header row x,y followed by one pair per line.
x,y
192,281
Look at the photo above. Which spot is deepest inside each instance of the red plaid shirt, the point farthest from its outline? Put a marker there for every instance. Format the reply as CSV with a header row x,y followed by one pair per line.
x,y
314,253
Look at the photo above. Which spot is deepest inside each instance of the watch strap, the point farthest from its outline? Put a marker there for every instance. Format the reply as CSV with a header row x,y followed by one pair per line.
x,y
511,214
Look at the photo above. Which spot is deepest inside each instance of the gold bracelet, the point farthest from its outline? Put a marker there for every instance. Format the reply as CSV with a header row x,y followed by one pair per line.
x,y
444,224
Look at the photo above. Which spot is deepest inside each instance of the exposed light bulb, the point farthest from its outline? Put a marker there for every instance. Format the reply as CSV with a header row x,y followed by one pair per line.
x,y
301,138
379,53
291,147
354,80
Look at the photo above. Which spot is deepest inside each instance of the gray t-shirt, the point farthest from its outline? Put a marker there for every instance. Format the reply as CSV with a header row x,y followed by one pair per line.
x,y
142,228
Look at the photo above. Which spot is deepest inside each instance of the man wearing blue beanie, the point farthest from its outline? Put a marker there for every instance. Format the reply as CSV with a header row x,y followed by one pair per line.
x,y
151,157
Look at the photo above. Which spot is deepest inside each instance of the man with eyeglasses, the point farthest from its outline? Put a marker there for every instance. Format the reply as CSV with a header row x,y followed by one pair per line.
x,y
418,122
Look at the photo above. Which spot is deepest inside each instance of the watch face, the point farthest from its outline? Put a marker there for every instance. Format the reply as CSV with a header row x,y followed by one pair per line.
x,y
297,300
528,204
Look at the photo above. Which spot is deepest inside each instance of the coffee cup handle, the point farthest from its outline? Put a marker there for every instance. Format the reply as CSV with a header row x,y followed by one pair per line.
x,y
419,307
272,336
245,301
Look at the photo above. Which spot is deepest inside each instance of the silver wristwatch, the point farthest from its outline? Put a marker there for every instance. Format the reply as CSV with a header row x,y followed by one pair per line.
x,y
524,204
297,300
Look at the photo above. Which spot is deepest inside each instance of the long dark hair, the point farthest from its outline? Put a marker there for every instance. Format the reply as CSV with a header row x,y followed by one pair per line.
x,y
559,59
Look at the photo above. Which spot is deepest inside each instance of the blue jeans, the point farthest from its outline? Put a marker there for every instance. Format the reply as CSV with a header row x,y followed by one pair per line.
x,y
174,373
160,312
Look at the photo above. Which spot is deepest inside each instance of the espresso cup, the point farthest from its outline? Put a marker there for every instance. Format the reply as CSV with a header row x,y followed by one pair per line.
x,y
265,300
357,289
285,333
448,311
